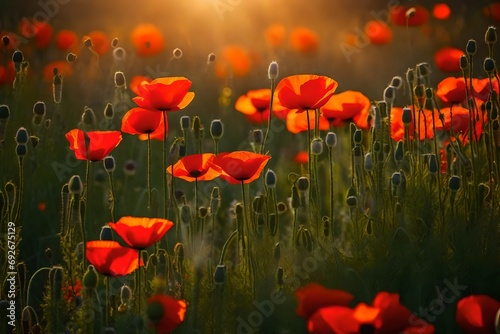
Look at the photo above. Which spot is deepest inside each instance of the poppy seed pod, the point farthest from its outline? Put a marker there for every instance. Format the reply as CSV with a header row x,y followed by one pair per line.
x,y
304,239
5,40
177,53
406,116
75,185
109,164
90,278
17,59
454,183
273,70
303,183
389,94
257,204
210,58
71,57
22,136
106,233
216,129
410,76
257,136
495,124
125,294
185,122
396,82
88,117
433,167
129,168
317,146
271,179
396,179
489,65
368,162
120,79
491,35
87,43
197,128
357,137
429,93
464,62
281,208
419,91
119,54
114,42
214,200
352,201
57,84
471,47
202,211
423,69
331,139
220,274
4,112
39,108
108,111
21,150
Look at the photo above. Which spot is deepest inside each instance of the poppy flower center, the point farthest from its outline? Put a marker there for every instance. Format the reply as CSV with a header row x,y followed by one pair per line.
x,y
195,173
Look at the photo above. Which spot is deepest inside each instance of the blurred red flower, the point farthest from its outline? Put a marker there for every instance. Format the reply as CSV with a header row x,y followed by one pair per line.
x,y
378,32
451,90
302,157
424,118
305,91
63,68
241,166
71,292
172,312
193,167
447,59
164,94
100,42
147,39
139,121
481,88
255,104
314,296
348,105
93,145
136,81
233,61
304,40
139,232
412,15
275,35
111,259
476,314
441,11
66,40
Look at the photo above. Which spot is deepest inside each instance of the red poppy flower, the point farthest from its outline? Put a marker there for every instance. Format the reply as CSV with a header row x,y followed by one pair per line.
x,y
492,10
195,167
314,296
136,81
378,32
305,91
164,94
447,59
397,126
255,104
43,37
111,259
139,121
147,39
72,291
301,157
275,35
66,40
100,42
140,233
348,105
456,117
100,143
441,11
481,88
304,40
233,60
241,166
451,90
172,312
296,122
476,314
399,15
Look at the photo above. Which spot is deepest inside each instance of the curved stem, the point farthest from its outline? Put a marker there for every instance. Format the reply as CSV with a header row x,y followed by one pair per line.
x,y
226,244
31,280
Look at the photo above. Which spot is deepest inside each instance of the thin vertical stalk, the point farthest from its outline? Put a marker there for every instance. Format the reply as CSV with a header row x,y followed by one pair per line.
x,y
149,174
164,170
263,147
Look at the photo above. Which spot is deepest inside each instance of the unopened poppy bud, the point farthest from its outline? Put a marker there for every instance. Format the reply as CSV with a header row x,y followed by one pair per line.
x,y
423,69
4,112
88,117
489,65
87,42
454,183
75,185
368,162
281,208
119,54
429,93
202,211
216,129
410,76
377,146
389,95
433,167
39,108
125,294
271,179
129,168
396,82
109,164
257,136
352,201
106,233
273,70
108,111
220,274
17,59
22,136
357,137
331,139
495,124
303,183
399,152
185,123
491,35
419,91
471,47
317,146
57,84
406,117
177,53
71,57
464,62
396,179
5,40
21,150
410,13
114,42
257,204
304,239
90,278
210,58
295,198
214,200
197,127
120,79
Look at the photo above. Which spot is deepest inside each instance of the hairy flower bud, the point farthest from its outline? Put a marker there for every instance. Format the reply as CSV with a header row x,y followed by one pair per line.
x,y
273,70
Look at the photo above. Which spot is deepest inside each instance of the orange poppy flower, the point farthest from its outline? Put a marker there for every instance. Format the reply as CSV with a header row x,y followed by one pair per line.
x,y
441,11
451,90
164,94
173,312
140,233
100,42
234,60
302,157
447,59
314,296
194,167
378,32
139,121
111,259
63,68
101,143
72,291
304,40
456,117
240,166
348,105
476,314
296,122
397,126
305,91
136,81
398,15
66,40
147,39
481,88
275,35
255,104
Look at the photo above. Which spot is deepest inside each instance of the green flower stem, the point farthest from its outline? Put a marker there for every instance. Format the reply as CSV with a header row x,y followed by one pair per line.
x,y
149,174
263,147
330,162
226,245
164,170
113,197
20,192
